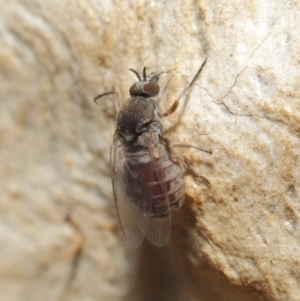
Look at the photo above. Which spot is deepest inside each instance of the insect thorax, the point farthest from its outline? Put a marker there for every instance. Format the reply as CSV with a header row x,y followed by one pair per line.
x,y
135,115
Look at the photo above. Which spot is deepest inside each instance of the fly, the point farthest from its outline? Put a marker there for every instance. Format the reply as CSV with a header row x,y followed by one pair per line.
x,y
147,180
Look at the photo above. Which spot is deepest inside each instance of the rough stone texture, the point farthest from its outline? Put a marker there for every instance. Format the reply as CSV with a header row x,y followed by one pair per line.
x,y
235,239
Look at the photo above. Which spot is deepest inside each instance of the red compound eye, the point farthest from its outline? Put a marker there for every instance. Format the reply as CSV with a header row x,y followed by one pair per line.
x,y
151,88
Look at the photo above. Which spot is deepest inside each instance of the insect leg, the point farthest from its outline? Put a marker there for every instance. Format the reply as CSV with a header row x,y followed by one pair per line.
x,y
171,110
178,159
169,144
182,94
194,171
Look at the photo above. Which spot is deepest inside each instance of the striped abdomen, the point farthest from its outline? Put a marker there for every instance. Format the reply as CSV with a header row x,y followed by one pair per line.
x,y
154,185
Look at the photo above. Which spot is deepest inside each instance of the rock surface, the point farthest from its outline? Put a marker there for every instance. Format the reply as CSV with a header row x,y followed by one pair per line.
x,y
236,238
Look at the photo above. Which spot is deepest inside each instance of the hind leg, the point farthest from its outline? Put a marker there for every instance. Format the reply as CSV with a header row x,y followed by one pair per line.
x,y
183,159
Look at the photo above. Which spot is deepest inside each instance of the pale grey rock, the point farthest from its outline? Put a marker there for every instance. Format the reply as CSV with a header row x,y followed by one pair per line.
x,y
235,239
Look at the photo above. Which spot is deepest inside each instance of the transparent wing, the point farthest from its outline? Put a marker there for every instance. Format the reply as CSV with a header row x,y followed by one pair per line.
x,y
159,227
158,231
133,221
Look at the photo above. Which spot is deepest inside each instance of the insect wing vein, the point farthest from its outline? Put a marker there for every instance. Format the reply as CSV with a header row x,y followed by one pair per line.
x,y
159,228
133,222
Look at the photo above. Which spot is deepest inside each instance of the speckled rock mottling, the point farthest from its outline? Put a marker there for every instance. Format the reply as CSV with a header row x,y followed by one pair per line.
x,y
235,239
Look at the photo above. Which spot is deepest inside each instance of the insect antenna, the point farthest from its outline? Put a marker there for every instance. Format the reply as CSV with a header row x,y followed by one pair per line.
x,y
136,73
101,95
144,74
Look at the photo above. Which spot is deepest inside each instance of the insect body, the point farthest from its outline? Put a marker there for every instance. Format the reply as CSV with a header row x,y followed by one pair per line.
x,y
147,182
148,187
